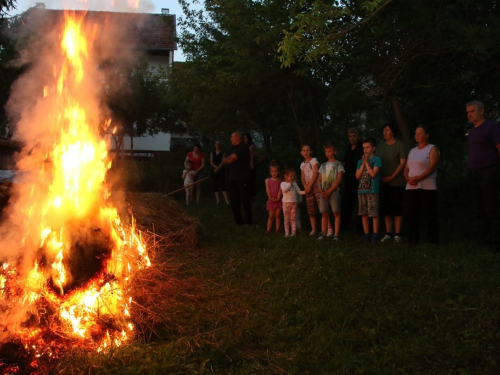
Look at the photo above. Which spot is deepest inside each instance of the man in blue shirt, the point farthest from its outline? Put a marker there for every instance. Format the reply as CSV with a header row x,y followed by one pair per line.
x,y
484,172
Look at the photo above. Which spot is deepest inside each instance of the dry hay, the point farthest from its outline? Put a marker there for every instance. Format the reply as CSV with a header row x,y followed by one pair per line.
x,y
170,235
160,215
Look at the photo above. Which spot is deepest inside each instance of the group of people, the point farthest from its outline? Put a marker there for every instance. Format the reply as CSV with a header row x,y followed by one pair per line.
x,y
377,177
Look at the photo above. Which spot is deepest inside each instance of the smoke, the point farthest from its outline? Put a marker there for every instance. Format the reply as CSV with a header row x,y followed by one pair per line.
x,y
42,197
142,6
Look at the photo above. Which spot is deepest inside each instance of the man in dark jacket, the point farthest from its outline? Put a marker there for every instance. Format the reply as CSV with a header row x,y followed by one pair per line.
x,y
238,162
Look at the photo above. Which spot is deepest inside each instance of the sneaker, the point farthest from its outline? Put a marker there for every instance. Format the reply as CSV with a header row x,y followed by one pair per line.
x,y
321,238
329,233
335,238
292,235
312,233
386,238
287,234
374,238
397,239
366,239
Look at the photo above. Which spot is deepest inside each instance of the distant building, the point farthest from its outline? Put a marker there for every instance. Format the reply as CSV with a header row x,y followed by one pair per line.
x,y
153,35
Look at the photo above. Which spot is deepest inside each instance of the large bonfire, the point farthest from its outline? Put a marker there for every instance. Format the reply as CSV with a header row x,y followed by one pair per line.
x,y
67,262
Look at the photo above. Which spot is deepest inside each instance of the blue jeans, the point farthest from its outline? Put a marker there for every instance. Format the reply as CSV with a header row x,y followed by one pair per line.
x,y
485,189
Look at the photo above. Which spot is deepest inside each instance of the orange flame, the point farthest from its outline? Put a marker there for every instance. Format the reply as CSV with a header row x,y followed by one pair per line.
x,y
68,204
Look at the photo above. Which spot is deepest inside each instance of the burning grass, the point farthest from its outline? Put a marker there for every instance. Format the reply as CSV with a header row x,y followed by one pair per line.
x,y
166,231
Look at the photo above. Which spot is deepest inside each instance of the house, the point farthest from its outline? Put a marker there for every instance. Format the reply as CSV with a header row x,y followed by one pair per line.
x,y
152,35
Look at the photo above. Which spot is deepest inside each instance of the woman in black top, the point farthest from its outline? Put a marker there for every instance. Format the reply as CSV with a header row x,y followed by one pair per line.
x,y
218,175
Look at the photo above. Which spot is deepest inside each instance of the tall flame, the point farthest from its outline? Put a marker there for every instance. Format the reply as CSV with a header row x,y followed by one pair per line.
x,y
68,218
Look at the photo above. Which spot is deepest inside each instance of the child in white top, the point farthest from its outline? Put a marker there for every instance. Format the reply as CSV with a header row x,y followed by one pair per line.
x,y
309,171
289,191
188,175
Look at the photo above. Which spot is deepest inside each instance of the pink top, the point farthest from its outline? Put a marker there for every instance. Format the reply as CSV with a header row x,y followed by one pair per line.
x,y
274,188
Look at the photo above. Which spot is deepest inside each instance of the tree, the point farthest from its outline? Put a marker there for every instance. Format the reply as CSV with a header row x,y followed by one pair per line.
x,y
232,51
6,6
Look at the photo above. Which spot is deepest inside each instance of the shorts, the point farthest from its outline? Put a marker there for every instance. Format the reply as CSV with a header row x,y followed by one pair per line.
x,y
391,200
333,202
368,205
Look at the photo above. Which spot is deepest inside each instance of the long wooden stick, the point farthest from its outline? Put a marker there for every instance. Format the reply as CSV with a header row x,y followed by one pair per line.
x,y
185,187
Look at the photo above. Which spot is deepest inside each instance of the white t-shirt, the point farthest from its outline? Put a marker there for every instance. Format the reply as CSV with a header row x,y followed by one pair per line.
x,y
289,191
418,161
308,168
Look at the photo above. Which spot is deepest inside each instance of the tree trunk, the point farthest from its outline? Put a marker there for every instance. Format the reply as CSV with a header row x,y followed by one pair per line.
x,y
294,112
398,115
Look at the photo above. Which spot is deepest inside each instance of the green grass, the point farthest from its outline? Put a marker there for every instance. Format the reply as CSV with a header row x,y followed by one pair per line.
x,y
275,305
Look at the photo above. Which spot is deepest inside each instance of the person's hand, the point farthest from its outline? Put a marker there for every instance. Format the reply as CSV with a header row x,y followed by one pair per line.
x,y
307,189
324,194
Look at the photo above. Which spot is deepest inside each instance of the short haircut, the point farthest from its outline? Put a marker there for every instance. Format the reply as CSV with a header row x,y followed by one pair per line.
x,y
189,162
393,127
197,145
479,104
289,170
352,131
371,141
330,144
238,134
423,126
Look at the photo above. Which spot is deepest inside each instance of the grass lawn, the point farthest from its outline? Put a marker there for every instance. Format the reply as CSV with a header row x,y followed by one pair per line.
x,y
255,304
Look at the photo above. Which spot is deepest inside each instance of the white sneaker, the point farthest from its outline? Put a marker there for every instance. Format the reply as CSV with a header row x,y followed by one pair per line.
x,y
312,233
386,238
329,233
292,235
287,235
335,238
321,238
397,239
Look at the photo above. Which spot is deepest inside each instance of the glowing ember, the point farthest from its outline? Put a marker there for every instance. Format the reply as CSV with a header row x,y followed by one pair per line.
x,y
71,276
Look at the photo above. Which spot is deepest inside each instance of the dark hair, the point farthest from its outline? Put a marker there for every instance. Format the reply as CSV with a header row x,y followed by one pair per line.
x,y
394,128
371,141
250,142
189,162
288,171
330,144
197,145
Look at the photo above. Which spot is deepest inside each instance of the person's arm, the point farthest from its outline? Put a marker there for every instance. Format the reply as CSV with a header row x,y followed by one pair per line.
x,y
359,171
433,164
268,192
184,173
336,184
303,179
300,192
230,159
399,169
314,176
186,160
498,146
371,171
212,161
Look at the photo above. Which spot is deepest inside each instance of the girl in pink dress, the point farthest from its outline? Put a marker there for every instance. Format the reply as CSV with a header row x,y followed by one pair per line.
x,y
274,204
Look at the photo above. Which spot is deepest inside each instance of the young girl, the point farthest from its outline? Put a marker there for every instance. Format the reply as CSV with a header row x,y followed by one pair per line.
x,y
289,190
309,176
274,204
188,175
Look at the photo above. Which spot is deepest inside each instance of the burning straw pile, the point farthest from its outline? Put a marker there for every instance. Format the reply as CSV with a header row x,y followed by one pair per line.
x,y
77,270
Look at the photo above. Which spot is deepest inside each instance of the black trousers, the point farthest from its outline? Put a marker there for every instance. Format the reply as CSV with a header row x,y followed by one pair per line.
x,y
240,192
422,203
484,185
